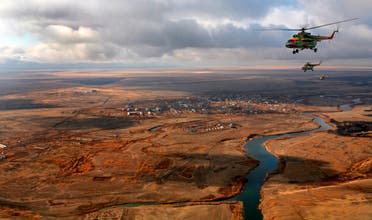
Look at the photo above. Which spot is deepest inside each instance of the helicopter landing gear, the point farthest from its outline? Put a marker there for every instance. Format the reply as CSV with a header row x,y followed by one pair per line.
x,y
295,51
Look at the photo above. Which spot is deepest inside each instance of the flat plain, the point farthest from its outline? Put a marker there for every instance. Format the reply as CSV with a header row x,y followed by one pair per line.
x,y
170,143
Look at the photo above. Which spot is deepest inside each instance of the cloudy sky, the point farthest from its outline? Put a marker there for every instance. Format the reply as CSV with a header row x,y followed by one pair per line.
x,y
146,33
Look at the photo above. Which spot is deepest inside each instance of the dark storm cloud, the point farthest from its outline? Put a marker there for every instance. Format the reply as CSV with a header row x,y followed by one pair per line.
x,y
169,34
238,9
160,9
230,36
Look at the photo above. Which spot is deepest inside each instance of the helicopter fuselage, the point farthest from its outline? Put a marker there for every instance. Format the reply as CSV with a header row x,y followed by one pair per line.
x,y
306,68
301,43
304,40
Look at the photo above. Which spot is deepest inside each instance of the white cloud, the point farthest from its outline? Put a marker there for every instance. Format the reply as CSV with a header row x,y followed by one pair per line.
x,y
288,16
11,52
78,52
64,34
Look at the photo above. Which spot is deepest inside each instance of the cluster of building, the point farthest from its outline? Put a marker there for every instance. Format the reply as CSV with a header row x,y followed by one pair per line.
x,y
85,91
136,111
2,153
209,127
204,105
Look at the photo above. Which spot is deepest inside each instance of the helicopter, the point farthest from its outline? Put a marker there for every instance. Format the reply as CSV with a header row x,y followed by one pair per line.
x,y
310,66
322,77
305,40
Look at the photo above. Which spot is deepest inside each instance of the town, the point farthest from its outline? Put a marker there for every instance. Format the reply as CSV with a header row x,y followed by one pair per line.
x,y
214,104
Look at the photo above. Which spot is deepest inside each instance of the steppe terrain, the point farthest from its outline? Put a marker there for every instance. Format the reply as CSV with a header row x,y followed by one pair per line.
x,y
167,144
323,175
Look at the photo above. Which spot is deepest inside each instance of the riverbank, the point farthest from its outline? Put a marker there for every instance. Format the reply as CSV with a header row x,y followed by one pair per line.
x,y
322,175
251,194
187,211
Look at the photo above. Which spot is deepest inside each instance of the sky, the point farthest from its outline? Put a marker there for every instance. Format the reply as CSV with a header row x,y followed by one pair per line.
x,y
178,33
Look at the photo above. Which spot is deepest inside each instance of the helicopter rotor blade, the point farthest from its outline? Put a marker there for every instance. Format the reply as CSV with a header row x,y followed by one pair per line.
x,y
279,29
338,22
304,28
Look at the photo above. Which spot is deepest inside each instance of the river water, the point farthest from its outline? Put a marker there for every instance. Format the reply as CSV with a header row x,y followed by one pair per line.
x,y
346,107
250,196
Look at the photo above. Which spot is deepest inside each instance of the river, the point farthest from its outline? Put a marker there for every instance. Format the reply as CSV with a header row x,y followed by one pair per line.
x,y
250,196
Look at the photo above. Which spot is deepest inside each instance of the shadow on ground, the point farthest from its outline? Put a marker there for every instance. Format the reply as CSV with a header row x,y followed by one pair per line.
x,y
105,123
16,104
303,170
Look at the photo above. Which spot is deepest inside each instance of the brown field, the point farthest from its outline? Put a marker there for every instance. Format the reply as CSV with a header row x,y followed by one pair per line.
x,y
73,151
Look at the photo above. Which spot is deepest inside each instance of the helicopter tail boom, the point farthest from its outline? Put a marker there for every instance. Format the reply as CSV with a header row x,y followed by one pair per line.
x,y
319,38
